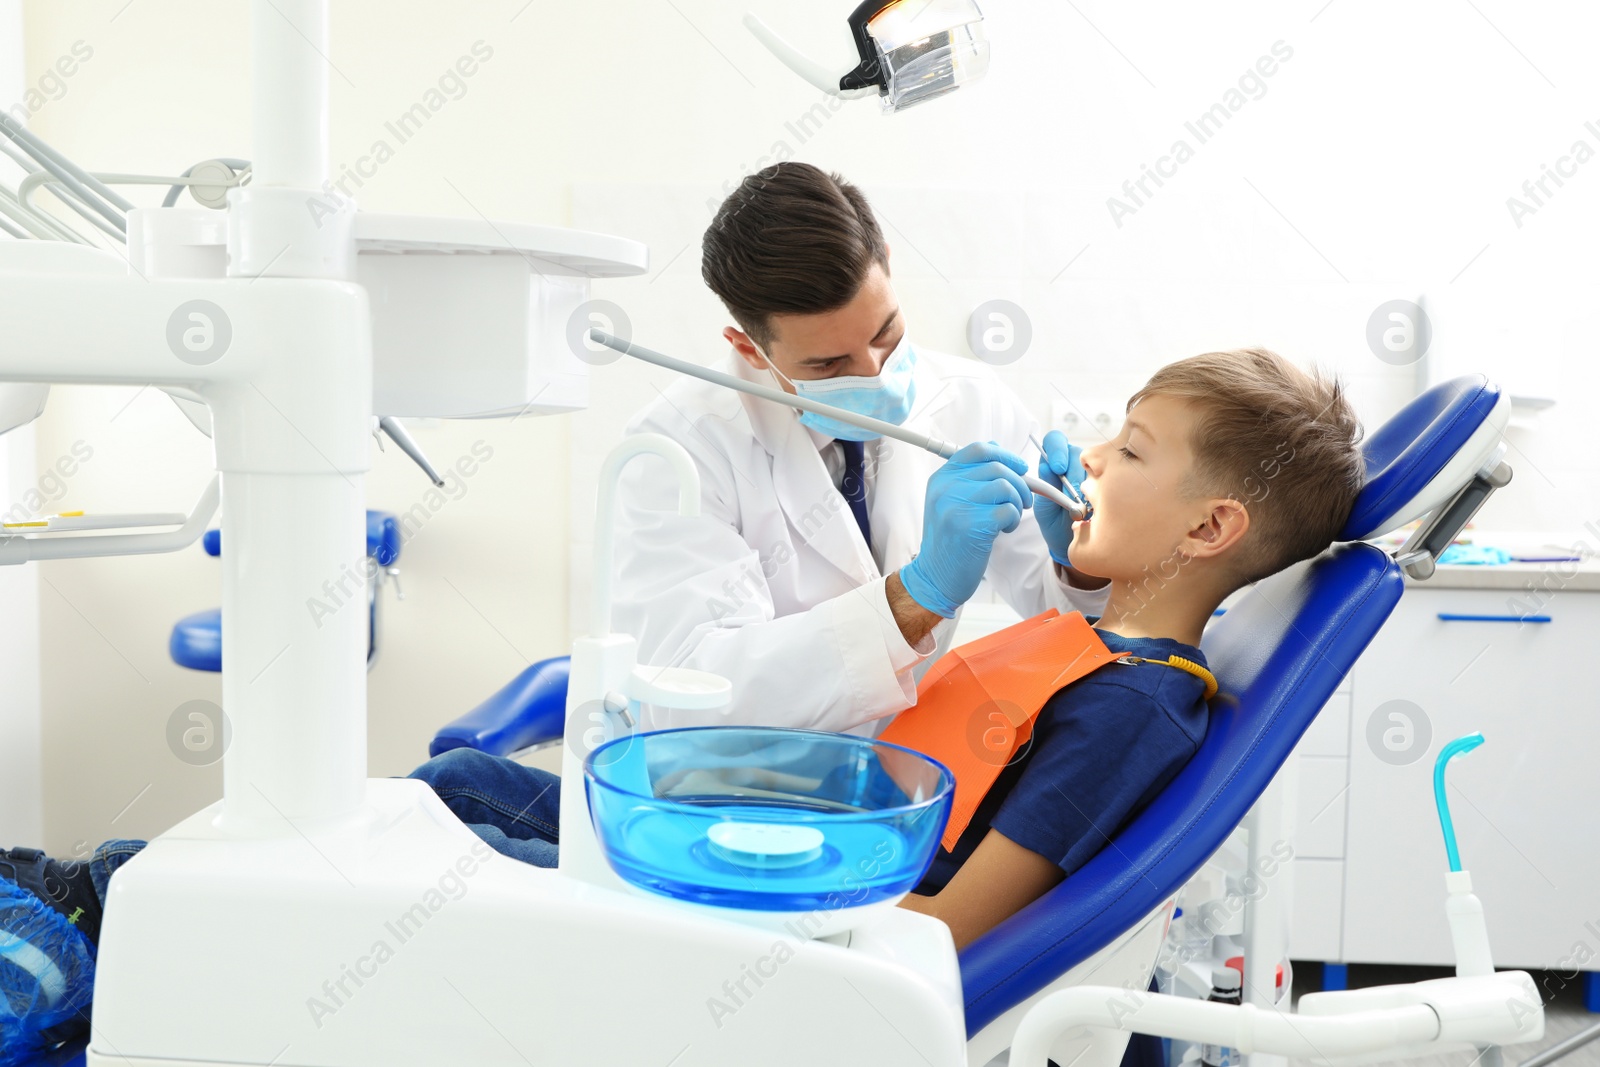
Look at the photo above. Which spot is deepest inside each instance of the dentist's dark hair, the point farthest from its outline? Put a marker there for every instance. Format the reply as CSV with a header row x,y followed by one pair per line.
x,y
791,239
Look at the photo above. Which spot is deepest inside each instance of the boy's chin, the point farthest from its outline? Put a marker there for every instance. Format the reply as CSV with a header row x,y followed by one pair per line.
x,y
1089,560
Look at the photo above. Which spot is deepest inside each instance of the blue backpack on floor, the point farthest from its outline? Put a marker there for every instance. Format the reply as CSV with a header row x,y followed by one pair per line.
x,y
46,976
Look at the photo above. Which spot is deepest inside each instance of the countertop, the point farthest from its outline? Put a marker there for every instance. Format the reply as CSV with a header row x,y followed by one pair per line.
x,y
1543,578
1583,576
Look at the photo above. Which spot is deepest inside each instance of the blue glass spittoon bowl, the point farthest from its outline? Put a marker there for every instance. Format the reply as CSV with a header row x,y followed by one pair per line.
x,y
798,829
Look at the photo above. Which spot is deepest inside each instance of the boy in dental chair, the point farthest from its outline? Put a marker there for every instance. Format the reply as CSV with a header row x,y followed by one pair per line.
x,y
1229,467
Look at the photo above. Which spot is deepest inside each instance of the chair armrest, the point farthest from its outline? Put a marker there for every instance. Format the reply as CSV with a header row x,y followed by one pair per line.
x,y
529,709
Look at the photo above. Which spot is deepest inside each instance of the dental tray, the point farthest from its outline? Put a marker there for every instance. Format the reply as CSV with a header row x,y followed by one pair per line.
x,y
80,521
761,819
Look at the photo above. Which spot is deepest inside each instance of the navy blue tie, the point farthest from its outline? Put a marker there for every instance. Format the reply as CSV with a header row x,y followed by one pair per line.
x,y
854,487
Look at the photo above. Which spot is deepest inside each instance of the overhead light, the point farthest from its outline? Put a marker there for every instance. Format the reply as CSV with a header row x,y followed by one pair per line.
x,y
909,51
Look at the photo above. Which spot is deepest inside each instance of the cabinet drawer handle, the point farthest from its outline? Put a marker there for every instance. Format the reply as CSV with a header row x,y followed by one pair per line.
x,y
1450,616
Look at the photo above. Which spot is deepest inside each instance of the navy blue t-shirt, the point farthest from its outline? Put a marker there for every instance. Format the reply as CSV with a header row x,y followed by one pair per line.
x,y
1101,749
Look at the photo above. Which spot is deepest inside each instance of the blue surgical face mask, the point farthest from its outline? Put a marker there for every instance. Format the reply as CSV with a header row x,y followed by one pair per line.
x,y
888,396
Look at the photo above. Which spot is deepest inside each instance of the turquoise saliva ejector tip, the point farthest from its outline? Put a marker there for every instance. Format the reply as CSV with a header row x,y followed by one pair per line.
x,y
1459,746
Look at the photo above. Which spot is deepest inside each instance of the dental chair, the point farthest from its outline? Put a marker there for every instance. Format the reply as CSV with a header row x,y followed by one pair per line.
x,y
528,712
196,640
1279,653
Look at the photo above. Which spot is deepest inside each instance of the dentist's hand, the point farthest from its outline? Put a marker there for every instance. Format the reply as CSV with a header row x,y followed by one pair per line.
x,y
976,496
1059,461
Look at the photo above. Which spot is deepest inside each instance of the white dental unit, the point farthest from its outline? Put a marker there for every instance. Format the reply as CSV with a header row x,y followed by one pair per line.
x,y
302,919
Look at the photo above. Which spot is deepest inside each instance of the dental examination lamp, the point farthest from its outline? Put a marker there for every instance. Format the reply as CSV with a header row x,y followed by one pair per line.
x,y
909,51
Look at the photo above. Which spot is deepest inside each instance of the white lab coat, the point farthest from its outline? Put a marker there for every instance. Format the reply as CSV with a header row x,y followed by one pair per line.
x,y
772,585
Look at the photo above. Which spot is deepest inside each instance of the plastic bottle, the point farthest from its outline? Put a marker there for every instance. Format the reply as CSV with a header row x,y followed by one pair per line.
x,y
1225,989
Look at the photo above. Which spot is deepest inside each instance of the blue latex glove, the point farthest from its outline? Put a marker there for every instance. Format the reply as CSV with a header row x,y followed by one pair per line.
x,y
977,495
1059,461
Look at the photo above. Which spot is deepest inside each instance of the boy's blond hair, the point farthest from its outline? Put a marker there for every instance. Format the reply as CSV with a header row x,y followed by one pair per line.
x,y
1282,441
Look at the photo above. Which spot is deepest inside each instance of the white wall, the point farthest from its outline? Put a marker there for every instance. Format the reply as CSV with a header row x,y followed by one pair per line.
x,y
1376,164
21,751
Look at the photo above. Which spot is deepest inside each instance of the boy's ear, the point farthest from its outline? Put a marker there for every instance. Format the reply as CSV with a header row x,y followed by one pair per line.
x,y
1220,530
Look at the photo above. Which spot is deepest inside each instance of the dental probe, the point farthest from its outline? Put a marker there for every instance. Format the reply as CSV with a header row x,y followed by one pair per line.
x,y
938,446
1066,484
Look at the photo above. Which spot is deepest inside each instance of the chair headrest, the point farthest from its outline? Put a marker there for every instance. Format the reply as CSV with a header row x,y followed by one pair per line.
x,y
1425,453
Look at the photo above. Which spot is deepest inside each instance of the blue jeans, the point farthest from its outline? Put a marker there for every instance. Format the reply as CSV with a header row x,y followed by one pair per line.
x,y
515,809
107,858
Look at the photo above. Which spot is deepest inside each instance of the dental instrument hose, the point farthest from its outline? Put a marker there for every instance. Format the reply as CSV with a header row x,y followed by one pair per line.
x,y
1468,932
938,446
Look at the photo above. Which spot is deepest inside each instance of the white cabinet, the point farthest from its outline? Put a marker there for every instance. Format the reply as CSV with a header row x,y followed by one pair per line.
x,y
1322,764
1369,878
1318,927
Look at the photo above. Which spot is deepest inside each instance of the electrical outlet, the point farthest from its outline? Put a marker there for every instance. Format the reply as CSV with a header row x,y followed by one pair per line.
x,y
1083,422
1064,417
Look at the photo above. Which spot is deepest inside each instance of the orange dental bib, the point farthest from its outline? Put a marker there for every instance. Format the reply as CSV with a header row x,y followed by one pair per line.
x,y
976,706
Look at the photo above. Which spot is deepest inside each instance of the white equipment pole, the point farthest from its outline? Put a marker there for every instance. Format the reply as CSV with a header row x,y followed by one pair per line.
x,y
294,684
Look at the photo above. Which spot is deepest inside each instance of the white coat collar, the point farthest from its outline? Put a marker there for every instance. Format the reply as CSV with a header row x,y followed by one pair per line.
x,y
805,492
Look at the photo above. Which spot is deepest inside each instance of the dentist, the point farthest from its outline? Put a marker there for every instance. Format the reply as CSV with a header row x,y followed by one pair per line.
x,y
827,566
